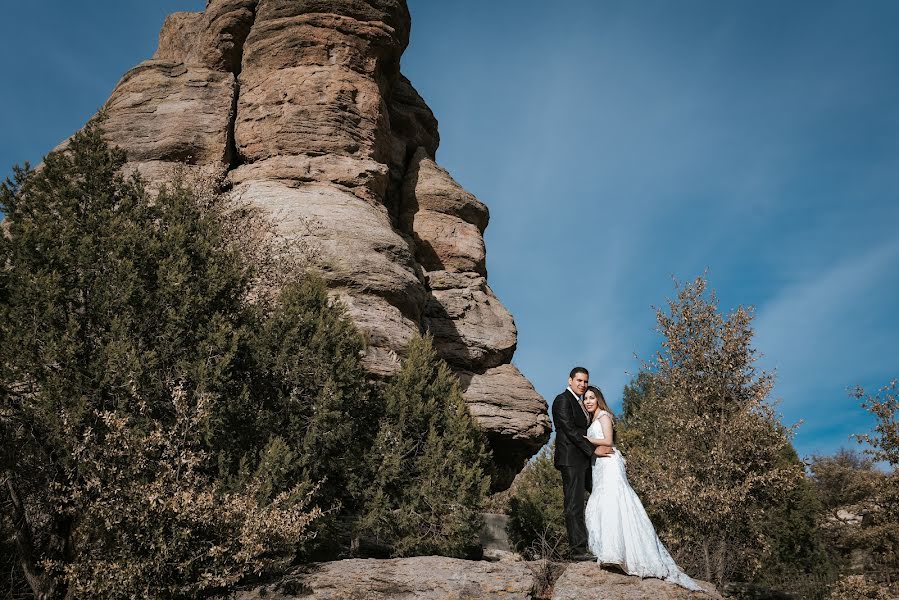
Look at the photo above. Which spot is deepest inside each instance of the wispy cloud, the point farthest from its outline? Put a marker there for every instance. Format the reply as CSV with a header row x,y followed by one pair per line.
x,y
828,332
820,326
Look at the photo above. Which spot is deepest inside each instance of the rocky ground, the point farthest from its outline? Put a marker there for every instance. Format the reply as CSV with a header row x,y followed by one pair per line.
x,y
440,578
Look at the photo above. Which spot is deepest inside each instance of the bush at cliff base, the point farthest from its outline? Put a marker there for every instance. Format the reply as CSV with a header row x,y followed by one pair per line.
x,y
168,426
428,464
536,519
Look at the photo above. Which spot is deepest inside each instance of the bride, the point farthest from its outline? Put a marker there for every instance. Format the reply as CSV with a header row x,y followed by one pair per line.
x,y
618,528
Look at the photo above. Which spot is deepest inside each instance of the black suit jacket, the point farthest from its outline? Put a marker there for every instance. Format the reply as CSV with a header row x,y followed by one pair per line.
x,y
572,450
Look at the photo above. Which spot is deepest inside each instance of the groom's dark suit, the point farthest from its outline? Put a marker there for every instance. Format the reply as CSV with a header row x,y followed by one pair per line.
x,y
572,458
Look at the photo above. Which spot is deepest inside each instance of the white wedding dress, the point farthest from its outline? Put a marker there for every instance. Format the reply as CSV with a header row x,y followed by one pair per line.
x,y
619,530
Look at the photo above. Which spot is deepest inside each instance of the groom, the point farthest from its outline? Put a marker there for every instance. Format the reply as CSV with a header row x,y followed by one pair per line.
x,y
572,457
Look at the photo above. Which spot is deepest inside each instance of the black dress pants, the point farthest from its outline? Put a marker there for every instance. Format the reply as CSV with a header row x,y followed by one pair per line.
x,y
575,481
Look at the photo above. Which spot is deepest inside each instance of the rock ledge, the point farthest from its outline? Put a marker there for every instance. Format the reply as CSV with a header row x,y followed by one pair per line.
x,y
440,578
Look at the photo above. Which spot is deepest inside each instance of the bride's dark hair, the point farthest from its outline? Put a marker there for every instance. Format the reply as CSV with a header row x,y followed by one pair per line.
x,y
601,403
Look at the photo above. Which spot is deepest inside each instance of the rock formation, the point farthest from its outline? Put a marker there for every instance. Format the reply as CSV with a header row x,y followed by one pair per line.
x,y
301,107
438,578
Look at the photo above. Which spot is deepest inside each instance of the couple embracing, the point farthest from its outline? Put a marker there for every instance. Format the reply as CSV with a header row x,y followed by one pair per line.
x,y
614,526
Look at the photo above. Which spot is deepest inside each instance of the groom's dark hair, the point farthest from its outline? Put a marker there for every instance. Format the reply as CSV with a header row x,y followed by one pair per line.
x,y
577,370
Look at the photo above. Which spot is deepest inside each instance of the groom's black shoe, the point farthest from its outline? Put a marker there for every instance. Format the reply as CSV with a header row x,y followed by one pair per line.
x,y
583,557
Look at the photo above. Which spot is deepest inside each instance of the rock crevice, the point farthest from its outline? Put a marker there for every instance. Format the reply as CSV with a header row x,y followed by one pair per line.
x,y
301,107
239,35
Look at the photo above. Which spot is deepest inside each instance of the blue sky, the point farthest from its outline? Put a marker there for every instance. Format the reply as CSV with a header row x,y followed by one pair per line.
x,y
617,144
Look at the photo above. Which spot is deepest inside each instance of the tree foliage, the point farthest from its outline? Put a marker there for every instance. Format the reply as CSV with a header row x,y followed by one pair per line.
x,y
705,448
170,423
843,480
883,441
428,463
536,510
859,518
792,545
858,587
305,387
848,486
884,405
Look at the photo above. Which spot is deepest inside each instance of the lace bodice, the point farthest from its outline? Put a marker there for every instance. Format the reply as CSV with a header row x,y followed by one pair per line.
x,y
595,429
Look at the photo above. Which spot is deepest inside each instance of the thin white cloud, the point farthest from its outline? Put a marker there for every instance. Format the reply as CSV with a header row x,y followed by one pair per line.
x,y
830,329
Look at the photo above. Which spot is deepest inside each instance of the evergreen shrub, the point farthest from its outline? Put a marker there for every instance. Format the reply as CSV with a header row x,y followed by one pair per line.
x,y
428,464
169,427
536,519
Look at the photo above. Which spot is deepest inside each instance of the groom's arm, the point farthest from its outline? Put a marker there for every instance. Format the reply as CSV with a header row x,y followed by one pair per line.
x,y
564,422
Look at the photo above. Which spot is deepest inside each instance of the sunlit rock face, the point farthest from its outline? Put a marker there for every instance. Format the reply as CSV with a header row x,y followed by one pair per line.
x,y
301,107
439,578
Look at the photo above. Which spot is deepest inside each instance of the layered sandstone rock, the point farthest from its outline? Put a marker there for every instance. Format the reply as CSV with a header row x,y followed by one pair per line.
x,y
301,107
437,578
422,578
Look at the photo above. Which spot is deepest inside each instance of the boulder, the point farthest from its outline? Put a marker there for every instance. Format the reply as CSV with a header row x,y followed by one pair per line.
x,y
471,327
588,581
167,111
436,577
513,414
504,401
213,38
422,578
430,187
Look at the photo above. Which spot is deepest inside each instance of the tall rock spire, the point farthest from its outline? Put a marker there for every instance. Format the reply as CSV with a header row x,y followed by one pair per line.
x,y
300,105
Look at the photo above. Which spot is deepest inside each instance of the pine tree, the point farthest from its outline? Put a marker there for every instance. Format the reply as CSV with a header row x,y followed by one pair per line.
x,y
308,392
428,463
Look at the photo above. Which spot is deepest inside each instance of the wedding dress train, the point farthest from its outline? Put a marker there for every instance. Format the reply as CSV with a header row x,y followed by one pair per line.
x,y
619,530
